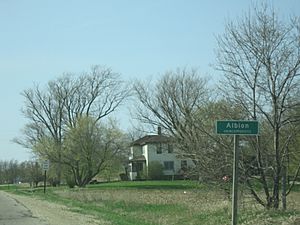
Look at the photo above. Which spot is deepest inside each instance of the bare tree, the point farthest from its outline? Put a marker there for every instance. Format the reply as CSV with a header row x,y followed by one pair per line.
x,y
45,112
55,109
174,97
96,94
181,103
260,58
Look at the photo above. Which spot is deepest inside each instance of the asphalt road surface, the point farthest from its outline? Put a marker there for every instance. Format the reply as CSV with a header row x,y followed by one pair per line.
x,y
14,213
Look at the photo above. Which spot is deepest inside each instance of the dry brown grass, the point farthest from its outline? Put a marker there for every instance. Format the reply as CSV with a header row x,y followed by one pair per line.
x,y
182,206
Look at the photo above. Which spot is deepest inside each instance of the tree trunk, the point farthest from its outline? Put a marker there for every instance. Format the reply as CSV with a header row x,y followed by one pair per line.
x,y
59,172
277,174
284,187
262,174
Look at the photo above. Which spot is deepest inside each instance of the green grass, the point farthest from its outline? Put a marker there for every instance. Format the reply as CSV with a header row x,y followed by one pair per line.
x,y
165,185
162,202
5,187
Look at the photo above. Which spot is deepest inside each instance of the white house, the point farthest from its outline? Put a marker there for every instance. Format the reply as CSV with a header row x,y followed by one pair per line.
x,y
155,148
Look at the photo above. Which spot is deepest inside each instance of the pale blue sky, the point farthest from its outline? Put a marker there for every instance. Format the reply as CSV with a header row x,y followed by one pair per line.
x,y
40,40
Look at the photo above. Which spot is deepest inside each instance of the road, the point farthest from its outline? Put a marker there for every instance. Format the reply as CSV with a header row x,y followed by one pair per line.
x,y
14,213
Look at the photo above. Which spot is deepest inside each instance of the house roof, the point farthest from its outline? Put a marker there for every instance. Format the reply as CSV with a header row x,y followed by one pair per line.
x,y
151,139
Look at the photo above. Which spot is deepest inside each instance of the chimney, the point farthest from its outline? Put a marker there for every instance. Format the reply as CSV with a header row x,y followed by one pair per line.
x,y
159,130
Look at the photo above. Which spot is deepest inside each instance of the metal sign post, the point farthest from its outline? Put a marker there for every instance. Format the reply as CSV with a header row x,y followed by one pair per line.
x,y
45,177
236,128
235,180
45,168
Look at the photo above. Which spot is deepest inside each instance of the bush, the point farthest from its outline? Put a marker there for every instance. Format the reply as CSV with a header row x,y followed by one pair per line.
x,y
123,177
70,181
155,170
54,182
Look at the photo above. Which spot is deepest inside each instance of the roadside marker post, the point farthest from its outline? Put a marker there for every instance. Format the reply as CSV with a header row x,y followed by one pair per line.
x,y
45,168
45,177
236,128
236,155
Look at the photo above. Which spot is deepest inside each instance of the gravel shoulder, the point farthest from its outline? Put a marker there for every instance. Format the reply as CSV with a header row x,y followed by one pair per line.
x,y
55,214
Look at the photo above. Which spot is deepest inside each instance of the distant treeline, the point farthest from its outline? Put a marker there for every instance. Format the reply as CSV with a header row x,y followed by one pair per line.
x,y
12,172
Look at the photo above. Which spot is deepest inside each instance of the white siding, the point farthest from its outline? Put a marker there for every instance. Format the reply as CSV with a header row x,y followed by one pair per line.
x,y
163,157
132,175
146,154
137,150
149,151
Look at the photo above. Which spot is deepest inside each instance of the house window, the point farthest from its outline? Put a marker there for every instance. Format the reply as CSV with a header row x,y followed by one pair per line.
x,y
170,148
168,165
158,148
137,166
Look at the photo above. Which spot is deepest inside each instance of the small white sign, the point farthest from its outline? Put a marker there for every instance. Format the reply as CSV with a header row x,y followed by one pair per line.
x,y
46,165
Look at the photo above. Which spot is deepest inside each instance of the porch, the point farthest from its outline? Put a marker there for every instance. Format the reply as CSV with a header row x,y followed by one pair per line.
x,y
136,167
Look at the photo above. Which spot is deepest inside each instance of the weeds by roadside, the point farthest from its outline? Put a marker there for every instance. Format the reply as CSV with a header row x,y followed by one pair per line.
x,y
139,203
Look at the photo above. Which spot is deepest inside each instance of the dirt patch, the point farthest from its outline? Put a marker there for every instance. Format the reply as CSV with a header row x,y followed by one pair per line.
x,y
56,214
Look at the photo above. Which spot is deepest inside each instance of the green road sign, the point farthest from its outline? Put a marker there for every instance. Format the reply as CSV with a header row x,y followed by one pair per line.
x,y
238,127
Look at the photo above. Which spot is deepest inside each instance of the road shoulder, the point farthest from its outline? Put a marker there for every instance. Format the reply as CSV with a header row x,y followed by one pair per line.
x,y
55,214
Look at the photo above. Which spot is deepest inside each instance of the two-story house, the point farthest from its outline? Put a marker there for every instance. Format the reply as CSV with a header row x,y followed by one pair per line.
x,y
155,148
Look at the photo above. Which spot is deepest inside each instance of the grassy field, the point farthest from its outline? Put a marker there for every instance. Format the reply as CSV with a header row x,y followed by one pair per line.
x,y
163,202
